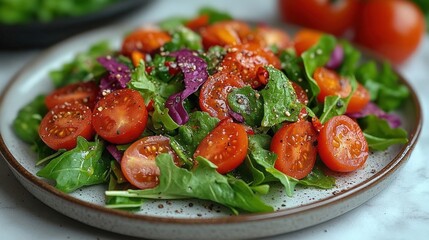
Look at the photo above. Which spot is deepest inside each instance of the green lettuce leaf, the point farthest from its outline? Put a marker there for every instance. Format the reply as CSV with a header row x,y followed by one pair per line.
x,y
247,102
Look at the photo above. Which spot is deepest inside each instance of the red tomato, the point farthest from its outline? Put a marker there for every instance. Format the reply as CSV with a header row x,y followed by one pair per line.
x,y
61,126
342,145
245,60
225,33
144,40
214,93
84,93
302,98
392,28
330,83
225,146
138,163
295,146
268,36
305,39
329,16
198,22
121,116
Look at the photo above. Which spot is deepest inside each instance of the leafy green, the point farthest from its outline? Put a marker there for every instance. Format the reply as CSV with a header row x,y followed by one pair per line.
x,y
214,15
350,60
81,166
247,103
83,67
280,100
424,6
379,134
202,182
26,123
181,38
317,178
292,66
190,134
317,56
213,57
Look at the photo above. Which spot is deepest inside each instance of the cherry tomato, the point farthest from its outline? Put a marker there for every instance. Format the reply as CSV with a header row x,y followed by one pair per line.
x,y
83,92
225,146
302,98
392,28
329,16
138,163
225,33
144,40
305,39
268,36
342,145
214,93
295,146
61,126
121,116
330,83
245,60
198,22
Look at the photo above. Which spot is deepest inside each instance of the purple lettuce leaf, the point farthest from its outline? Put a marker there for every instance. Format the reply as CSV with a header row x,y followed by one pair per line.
x,y
116,154
195,74
336,59
117,77
372,109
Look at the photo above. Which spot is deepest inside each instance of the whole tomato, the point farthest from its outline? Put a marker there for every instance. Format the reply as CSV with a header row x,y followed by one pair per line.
x,y
392,28
329,16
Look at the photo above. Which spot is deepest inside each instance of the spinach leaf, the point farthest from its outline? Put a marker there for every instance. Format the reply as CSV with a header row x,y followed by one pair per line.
x,y
202,182
350,60
213,57
83,67
292,65
280,100
81,166
214,15
315,57
26,123
317,178
247,103
181,38
379,134
190,134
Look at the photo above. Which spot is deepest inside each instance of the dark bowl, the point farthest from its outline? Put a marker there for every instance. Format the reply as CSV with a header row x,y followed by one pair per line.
x,y
41,35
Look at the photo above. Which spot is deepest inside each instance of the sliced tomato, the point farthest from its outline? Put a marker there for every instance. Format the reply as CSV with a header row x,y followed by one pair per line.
x,y
61,126
305,39
302,98
225,146
145,40
121,116
268,36
214,93
225,33
198,22
245,60
138,162
83,92
342,145
330,83
295,146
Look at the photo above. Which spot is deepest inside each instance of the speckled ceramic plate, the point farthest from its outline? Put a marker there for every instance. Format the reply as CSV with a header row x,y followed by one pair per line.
x,y
187,219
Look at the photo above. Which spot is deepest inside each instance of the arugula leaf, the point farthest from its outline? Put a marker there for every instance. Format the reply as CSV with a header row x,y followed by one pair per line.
x,y
280,100
379,134
83,67
81,166
203,182
247,103
26,123
317,56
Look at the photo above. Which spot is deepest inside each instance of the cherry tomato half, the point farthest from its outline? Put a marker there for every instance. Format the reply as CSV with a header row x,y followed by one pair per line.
x,y
225,146
342,145
121,116
391,28
225,33
83,92
145,40
268,36
329,16
330,83
305,39
295,146
61,126
214,93
245,60
138,162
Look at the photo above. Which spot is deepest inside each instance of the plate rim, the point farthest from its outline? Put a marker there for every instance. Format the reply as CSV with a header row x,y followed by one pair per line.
x,y
394,165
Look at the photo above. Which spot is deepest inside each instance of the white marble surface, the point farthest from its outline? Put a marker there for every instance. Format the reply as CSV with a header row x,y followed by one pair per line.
x,y
401,211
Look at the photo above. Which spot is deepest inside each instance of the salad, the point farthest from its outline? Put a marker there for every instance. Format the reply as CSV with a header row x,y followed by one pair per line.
x,y
212,108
